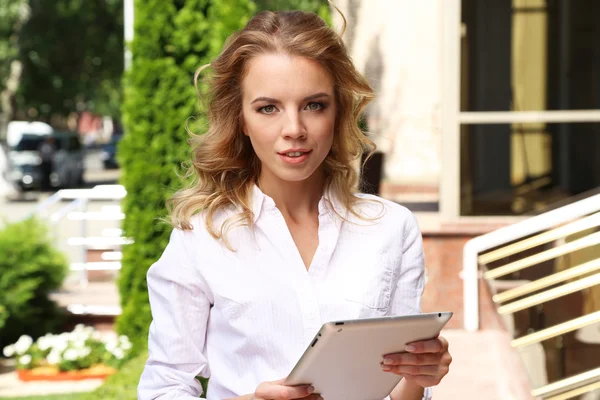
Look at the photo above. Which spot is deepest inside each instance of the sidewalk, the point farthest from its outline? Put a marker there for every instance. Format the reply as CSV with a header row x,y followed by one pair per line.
x,y
484,366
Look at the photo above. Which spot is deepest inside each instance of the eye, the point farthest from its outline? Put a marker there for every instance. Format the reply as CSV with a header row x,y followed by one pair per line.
x,y
270,109
315,106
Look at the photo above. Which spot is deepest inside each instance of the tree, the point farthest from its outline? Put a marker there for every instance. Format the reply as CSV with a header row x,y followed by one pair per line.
x,y
13,14
72,55
319,7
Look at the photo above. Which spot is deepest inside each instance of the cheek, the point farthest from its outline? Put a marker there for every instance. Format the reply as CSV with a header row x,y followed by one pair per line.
x,y
326,133
262,135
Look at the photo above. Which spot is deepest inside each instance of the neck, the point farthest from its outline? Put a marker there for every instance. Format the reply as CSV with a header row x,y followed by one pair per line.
x,y
294,200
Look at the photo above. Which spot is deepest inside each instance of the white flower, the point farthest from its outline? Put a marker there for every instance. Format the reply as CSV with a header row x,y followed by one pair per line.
x,y
118,353
126,346
60,343
23,344
84,352
9,351
44,343
124,339
54,357
79,327
25,360
110,345
71,355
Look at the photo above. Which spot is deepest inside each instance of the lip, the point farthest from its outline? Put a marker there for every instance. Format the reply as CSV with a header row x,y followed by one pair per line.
x,y
295,160
294,151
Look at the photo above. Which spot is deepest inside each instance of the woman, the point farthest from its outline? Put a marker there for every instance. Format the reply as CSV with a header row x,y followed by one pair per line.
x,y
270,240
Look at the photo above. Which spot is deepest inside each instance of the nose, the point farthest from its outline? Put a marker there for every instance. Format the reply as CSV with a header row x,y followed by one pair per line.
x,y
294,128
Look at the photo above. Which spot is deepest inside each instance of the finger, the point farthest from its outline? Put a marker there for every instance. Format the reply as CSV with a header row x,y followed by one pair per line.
x,y
412,369
301,391
313,397
423,380
412,359
437,345
276,391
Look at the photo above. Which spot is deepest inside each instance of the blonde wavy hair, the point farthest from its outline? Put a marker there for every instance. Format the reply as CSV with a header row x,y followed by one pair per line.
x,y
224,167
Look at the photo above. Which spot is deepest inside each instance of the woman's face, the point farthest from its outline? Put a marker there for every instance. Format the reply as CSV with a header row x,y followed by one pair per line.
x,y
289,115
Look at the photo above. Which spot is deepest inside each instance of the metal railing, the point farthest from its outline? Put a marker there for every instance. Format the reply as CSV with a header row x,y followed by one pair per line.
x,y
534,225
565,244
77,210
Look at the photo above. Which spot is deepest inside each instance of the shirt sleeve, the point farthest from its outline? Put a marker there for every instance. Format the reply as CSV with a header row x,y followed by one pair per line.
x,y
180,310
411,282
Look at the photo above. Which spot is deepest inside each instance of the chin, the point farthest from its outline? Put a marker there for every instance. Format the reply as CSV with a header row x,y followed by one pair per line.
x,y
295,176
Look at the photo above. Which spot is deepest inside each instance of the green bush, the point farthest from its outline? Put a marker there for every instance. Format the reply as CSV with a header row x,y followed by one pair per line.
x,y
30,268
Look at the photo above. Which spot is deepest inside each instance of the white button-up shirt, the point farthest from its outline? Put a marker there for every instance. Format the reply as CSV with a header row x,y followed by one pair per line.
x,y
246,317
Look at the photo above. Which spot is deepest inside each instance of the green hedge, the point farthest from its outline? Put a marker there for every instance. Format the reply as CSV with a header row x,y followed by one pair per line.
x,y
30,268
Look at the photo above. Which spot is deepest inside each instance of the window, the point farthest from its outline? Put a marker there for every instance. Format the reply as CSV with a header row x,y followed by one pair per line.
x,y
522,105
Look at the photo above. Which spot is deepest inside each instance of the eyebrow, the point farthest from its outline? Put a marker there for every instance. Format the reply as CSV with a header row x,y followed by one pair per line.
x,y
271,100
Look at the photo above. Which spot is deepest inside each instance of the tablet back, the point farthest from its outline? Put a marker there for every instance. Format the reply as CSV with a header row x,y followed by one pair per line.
x,y
344,360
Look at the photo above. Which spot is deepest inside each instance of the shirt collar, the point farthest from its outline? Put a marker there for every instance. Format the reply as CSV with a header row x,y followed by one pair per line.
x,y
329,203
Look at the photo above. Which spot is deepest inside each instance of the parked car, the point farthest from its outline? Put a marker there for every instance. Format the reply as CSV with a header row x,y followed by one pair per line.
x,y
24,161
69,161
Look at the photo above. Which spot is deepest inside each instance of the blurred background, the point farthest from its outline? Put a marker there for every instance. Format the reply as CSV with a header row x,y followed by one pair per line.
x,y
487,121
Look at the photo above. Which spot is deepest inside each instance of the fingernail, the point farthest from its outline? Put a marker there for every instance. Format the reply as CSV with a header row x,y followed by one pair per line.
x,y
386,367
388,361
410,347
310,389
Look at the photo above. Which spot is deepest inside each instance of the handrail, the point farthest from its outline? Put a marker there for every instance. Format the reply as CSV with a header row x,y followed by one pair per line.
x,y
543,238
50,201
587,241
508,234
557,330
60,214
546,281
576,392
563,385
98,192
550,294
79,199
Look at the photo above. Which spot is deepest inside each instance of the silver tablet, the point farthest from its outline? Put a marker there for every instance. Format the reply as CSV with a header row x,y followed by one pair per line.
x,y
343,362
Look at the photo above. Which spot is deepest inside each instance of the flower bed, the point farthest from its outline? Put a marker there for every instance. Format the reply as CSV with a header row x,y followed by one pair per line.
x,y
81,354
54,374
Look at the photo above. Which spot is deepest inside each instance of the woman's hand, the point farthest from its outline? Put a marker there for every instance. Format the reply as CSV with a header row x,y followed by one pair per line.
x,y
278,391
425,363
